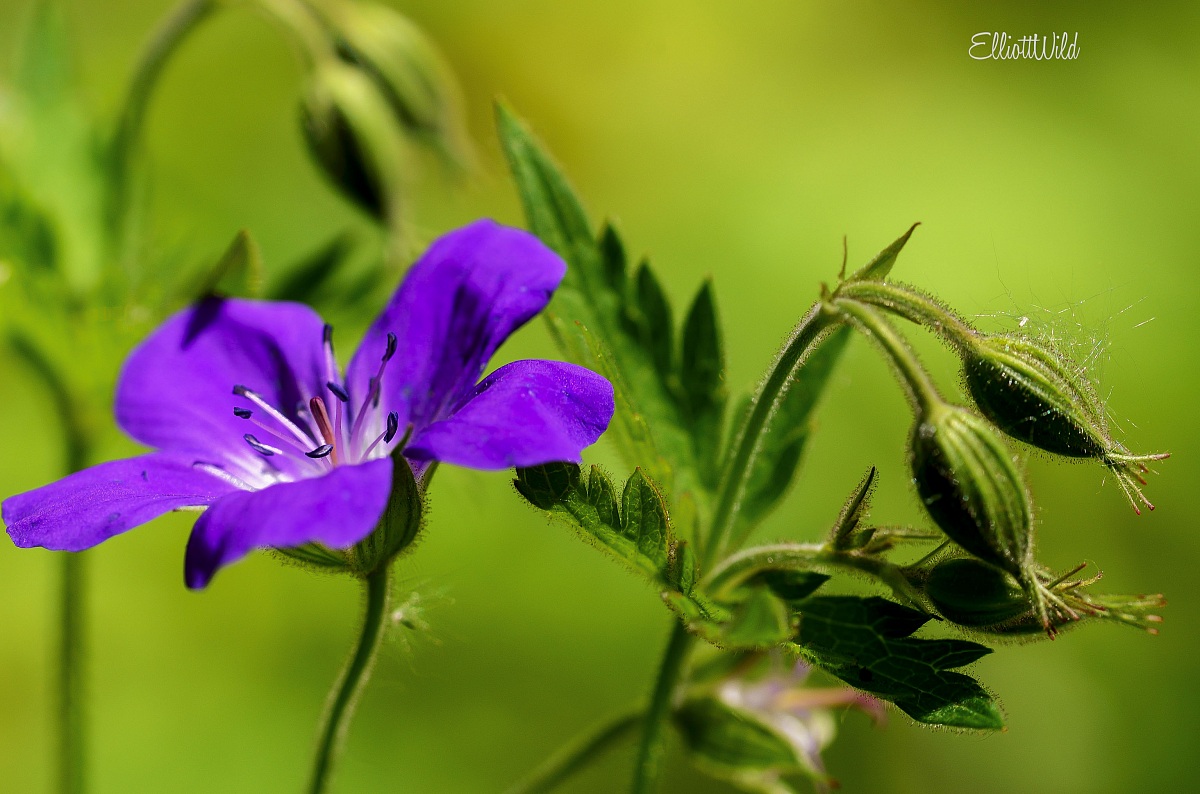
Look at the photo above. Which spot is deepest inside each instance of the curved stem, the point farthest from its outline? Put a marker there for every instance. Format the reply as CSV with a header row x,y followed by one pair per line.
x,y
163,44
912,305
653,743
344,697
575,756
916,380
738,468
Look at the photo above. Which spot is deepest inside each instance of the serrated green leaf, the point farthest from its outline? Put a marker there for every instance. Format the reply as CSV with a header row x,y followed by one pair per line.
x,y
881,265
783,444
702,382
866,642
649,318
626,322
639,533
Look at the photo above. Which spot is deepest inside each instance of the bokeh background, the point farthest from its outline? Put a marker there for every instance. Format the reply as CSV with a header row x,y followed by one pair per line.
x,y
740,141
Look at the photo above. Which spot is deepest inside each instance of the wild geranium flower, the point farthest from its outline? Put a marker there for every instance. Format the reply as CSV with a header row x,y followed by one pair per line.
x,y
254,423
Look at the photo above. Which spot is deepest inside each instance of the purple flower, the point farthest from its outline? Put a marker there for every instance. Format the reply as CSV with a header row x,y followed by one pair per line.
x,y
254,423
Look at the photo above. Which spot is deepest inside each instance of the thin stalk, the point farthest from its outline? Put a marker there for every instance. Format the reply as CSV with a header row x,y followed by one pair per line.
x,y
745,449
77,443
912,305
162,45
344,697
736,568
573,757
916,380
654,735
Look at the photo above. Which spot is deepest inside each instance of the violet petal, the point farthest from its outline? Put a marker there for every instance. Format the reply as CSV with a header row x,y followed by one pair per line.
x,y
523,414
337,509
90,506
176,389
458,303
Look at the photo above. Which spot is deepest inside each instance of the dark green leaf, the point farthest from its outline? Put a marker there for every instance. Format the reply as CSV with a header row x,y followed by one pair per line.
x,y
702,381
638,533
783,444
791,585
880,266
866,642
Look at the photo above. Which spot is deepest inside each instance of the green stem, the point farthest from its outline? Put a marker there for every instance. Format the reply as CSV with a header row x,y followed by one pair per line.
x,y
916,380
162,45
556,769
77,442
654,736
912,305
344,697
736,568
72,755
739,467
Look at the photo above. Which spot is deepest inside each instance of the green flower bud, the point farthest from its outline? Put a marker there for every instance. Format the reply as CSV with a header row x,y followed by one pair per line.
x,y
971,488
981,597
407,70
972,593
351,132
1029,392
1034,396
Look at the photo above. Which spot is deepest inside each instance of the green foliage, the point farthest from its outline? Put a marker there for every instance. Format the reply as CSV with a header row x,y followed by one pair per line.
x,y
621,325
239,271
735,745
780,448
881,265
635,530
867,643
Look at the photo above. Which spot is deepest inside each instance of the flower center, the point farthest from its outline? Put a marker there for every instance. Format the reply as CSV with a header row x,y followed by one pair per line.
x,y
323,430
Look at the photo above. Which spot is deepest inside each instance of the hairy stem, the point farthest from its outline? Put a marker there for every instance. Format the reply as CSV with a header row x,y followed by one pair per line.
x,y
652,747
739,567
912,305
739,465
344,697
913,376
573,757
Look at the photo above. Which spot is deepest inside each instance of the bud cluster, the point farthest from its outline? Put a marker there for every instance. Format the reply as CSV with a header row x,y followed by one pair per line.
x,y
967,477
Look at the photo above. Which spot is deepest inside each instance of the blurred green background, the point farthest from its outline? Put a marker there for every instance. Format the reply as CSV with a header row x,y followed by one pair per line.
x,y
737,140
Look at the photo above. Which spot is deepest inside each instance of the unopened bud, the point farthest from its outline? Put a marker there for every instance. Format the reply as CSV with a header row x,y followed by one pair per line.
x,y
972,593
971,488
406,68
350,130
1034,396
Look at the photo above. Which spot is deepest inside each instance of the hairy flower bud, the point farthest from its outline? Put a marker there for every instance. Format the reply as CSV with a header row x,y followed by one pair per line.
x,y
972,593
969,485
1034,396
406,68
351,132
979,596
